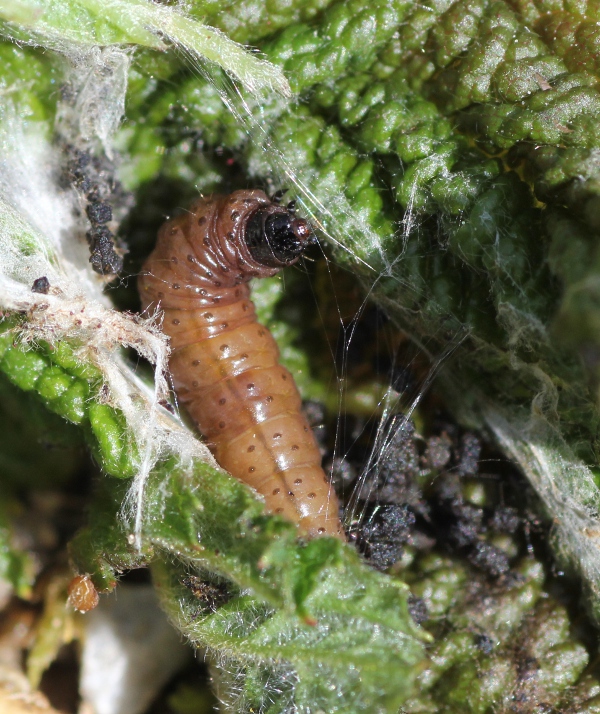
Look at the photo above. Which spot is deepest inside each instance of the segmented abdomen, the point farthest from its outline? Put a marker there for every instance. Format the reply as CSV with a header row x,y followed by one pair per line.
x,y
224,364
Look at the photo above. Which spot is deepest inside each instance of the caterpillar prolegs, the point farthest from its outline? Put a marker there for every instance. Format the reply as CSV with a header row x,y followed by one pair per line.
x,y
224,364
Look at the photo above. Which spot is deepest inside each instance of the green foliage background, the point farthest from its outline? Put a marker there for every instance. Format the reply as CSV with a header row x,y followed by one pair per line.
x,y
448,150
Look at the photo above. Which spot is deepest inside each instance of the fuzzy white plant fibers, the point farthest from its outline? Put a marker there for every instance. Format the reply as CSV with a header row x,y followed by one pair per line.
x,y
564,484
41,236
65,24
101,76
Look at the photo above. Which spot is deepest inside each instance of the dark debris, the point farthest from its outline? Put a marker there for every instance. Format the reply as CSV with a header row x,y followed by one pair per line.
x,y
488,558
41,285
417,488
210,595
469,453
399,466
93,177
438,452
343,473
99,212
417,607
385,533
505,520
484,643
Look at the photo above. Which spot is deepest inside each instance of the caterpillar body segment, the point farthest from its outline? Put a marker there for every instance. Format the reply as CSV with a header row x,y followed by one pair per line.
x,y
224,364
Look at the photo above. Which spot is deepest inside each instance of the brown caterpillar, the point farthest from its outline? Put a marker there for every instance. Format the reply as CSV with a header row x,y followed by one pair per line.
x,y
225,366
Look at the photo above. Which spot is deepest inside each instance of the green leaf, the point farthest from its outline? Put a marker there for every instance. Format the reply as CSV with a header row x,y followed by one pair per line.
x,y
449,153
138,22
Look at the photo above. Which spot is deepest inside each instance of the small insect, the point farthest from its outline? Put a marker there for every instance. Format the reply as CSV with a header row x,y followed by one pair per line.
x,y
224,364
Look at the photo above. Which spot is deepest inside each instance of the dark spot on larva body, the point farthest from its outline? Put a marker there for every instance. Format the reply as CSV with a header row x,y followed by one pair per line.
x,y
206,242
269,399
297,481
175,321
176,286
278,511
195,384
208,316
224,325
276,491
174,260
222,401
230,235
252,469
195,363
235,216
251,448
224,348
295,447
202,220
277,436
250,386
221,425
244,355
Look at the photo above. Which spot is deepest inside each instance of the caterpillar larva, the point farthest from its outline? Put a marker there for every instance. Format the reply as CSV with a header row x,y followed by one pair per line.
x,y
225,366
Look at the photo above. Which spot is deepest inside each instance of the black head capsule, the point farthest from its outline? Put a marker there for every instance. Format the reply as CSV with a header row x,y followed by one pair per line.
x,y
276,237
